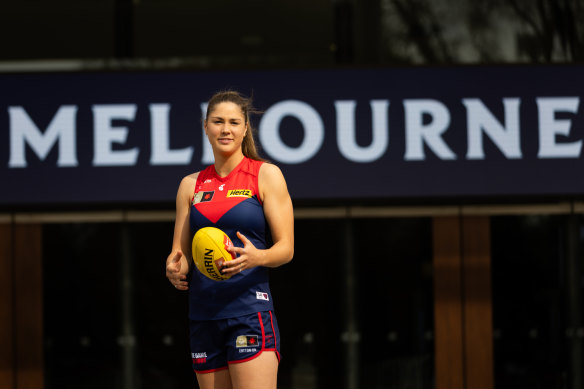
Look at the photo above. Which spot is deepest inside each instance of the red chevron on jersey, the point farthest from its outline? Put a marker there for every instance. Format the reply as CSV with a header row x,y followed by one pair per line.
x,y
215,196
216,208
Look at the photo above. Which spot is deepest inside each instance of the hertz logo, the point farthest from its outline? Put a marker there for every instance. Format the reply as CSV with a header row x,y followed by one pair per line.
x,y
239,193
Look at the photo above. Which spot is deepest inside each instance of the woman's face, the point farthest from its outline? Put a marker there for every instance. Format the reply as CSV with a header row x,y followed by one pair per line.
x,y
225,127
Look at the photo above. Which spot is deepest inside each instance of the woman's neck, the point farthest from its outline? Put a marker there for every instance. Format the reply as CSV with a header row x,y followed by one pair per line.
x,y
225,165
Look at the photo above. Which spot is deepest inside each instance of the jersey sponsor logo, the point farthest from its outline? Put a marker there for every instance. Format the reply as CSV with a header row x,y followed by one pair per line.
x,y
221,187
246,341
239,193
262,296
201,197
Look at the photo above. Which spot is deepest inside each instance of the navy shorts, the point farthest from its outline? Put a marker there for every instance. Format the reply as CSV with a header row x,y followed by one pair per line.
x,y
217,343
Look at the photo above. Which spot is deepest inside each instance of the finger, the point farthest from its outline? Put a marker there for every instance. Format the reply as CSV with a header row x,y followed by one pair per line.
x,y
235,251
177,256
179,282
232,270
173,267
243,239
181,286
175,279
232,266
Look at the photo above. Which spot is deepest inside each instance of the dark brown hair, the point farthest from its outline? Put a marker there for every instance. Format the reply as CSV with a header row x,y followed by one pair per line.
x,y
245,103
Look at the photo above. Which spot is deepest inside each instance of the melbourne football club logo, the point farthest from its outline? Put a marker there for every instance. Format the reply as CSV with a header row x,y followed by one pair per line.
x,y
246,341
201,197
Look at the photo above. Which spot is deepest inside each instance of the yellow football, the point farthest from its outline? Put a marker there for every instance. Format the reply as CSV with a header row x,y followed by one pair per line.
x,y
210,246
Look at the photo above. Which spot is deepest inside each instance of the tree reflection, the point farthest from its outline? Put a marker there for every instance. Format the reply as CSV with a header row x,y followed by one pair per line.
x,y
487,31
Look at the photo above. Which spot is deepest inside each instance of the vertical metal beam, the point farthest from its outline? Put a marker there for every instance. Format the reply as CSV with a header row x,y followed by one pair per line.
x,y
575,323
128,338
351,335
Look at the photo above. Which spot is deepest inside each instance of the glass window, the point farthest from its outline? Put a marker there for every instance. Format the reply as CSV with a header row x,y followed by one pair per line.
x,y
308,303
393,260
533,262
161,312
81,305
113,320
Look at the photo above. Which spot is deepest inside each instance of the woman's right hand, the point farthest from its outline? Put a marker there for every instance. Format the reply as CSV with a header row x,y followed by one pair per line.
x,y
176,272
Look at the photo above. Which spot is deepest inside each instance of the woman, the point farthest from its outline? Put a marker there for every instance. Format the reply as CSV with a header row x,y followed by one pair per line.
x,y
234,334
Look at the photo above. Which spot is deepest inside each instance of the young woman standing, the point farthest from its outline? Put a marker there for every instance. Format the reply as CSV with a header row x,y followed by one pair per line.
x,y
234,333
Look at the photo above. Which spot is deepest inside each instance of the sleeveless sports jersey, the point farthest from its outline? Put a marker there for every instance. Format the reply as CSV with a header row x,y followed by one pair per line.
x,y
232,204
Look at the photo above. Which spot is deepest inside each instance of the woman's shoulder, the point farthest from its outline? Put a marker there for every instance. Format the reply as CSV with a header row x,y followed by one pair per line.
x,y
269,169
270,176
272,182
188,183
190,178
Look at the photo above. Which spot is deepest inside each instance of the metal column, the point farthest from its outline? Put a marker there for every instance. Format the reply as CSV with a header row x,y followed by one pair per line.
x,y
574,288
127,339
350,336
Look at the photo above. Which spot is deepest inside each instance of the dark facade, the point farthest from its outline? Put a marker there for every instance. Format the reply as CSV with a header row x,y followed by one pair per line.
x,y
462,272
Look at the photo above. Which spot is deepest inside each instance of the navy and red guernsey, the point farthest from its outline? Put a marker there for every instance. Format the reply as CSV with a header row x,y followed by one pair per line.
x,y
232,204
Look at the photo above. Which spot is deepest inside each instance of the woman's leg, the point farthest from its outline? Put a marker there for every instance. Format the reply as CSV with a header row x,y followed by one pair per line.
x,y
258,373
219,379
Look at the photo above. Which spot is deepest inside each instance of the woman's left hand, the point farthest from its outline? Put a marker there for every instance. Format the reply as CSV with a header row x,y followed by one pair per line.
x,y
245,257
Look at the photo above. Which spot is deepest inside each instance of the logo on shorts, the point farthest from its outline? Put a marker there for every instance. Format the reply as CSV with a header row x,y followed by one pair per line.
x,y
246,341
262,296
199,358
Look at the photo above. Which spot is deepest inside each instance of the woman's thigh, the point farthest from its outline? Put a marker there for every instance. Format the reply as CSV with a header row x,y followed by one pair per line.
x,y
258,373
220,379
